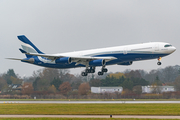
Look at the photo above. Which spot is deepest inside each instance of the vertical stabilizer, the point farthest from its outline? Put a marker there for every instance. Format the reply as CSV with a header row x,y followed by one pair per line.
x,y
28,46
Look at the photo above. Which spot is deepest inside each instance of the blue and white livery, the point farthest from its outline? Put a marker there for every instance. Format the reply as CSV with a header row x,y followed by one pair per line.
x,y
120,55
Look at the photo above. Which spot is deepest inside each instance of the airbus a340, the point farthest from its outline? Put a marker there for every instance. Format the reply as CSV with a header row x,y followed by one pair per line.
x,y
119,55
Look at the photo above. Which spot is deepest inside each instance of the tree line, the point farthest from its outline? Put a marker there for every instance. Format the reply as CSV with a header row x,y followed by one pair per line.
x,y
60,81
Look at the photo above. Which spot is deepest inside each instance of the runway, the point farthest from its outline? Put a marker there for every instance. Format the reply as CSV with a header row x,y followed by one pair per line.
x,y
89,116
89,102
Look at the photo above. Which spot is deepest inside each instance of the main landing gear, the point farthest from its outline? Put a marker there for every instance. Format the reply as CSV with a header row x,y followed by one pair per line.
x,y
103,70
159,61
92,70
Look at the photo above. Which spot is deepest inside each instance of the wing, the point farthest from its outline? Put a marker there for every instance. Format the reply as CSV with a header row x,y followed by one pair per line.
x,y
78,59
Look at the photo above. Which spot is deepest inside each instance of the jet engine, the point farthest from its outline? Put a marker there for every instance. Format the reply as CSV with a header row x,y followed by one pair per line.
x,y
99,62
64,60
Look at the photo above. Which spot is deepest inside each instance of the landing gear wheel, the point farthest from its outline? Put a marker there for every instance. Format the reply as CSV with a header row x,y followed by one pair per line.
x,y
159,63
100,73
104,70
84,74
92,71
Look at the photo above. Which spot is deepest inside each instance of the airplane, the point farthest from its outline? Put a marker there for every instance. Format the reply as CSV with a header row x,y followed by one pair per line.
x,y
119,55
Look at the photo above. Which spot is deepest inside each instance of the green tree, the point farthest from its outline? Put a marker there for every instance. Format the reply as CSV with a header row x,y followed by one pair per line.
x,y
75,84
112,81
127,84
11,72
9,76
177,83
133,74
157,81
139,81
95,82
56,82
15,80
35,83
43,85
49,74
3,84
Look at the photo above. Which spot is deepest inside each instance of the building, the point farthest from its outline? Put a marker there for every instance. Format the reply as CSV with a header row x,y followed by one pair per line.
x,y
106,89
12,87
157,89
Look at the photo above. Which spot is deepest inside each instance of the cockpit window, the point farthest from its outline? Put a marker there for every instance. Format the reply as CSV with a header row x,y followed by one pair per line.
x,y
167,45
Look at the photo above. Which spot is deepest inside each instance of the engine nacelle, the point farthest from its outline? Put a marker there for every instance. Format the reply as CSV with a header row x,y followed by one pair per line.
x,y
126,63
64,60
99,62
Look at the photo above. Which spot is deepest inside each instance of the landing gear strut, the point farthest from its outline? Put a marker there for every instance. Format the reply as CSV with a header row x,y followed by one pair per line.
x,y
159,61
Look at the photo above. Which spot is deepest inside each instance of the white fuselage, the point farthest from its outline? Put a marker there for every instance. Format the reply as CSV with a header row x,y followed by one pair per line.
x,y
149,48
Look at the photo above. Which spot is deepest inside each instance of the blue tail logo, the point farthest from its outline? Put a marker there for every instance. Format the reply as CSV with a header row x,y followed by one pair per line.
x,y
28,46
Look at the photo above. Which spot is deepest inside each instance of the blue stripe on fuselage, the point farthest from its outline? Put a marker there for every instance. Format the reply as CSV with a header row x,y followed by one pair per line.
x,y
120,58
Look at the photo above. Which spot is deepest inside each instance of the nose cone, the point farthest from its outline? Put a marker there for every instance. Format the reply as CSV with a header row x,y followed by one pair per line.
x,y
172,49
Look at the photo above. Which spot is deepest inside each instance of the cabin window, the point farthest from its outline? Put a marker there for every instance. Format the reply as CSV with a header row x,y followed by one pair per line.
x,y
167,45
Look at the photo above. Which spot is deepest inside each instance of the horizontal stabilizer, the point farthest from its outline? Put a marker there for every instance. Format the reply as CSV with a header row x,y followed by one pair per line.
x,y
17,59
23,51
14,59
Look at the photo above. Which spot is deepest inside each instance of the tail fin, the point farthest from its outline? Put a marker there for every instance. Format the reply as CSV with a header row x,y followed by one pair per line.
x,y
28,46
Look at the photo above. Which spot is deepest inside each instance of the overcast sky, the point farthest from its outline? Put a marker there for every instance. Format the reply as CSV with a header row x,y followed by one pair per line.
x,y
57,26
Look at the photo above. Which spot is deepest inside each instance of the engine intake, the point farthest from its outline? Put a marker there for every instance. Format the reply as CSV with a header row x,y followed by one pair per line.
x,y
99,62
64,60
126,63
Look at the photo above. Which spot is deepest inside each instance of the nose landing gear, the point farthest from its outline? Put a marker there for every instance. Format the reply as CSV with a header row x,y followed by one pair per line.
x,y
159,61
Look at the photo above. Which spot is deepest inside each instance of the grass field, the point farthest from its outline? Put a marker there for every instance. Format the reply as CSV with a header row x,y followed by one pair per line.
x,y
78,119
90,109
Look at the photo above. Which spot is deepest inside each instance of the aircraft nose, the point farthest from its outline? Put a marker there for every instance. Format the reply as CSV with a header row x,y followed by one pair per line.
x,y
173,49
